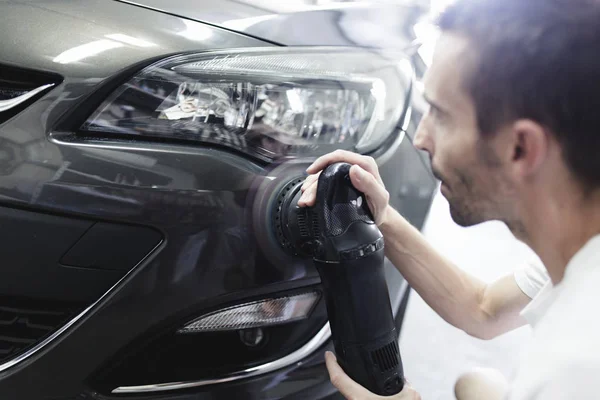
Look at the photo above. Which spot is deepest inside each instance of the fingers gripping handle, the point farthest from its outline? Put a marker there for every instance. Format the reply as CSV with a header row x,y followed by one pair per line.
x,y
339,202
350,261
346,223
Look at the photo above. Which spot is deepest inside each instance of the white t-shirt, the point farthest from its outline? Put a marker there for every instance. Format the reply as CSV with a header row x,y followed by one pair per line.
x,y
534,281
532,277
563,360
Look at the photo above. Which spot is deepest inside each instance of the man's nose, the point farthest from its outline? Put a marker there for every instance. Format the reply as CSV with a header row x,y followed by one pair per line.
x,y
422,140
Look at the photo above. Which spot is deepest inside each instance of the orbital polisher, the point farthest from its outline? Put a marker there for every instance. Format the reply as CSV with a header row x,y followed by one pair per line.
x,y
347,248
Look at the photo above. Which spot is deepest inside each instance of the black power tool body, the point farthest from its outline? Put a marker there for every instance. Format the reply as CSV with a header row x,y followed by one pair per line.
x,y
348,251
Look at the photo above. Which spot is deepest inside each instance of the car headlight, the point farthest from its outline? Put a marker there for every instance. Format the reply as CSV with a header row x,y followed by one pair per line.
x,y
265,102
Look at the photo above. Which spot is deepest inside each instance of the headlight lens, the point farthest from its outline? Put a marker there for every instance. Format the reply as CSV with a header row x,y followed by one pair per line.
x,y
265,102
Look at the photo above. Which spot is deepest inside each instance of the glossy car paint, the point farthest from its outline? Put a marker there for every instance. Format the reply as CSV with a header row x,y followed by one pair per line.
x,y
343,24
199,197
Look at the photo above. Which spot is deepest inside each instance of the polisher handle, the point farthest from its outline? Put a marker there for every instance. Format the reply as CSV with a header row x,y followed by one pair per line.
x,y
349,257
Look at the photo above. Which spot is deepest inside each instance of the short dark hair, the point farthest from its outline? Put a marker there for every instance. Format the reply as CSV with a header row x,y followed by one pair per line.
x,y
540,60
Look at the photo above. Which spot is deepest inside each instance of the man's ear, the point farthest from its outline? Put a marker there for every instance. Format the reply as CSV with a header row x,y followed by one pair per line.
x,y
530,147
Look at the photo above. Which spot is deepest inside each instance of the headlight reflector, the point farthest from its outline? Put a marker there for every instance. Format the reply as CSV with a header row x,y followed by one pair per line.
x,y
266,102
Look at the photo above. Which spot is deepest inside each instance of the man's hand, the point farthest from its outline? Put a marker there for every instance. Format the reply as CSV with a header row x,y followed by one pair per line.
x,y
353,391
364,175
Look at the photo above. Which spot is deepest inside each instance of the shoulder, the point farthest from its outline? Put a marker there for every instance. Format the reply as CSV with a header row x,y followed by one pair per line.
x,y
564,354
560,376
571,320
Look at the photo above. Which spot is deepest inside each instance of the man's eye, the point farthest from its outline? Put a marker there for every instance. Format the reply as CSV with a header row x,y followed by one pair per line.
x,y
435,113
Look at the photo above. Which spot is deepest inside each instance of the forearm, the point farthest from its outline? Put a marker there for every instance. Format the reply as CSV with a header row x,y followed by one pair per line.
x,y
455,295
482,310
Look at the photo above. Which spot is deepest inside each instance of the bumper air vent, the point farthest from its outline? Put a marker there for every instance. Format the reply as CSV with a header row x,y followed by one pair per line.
x,y
25,322
20,87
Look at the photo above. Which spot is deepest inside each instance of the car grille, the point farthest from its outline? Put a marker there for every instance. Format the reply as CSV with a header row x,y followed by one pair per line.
x,y
25,322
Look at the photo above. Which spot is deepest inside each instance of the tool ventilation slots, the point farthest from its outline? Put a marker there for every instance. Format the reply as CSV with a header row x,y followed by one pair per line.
x,y
25,322
21,87
315,225
302,225
386,357
278,223
308,223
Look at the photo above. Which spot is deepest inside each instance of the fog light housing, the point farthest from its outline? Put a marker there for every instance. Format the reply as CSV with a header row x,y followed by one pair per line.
x,y
256,314
253,337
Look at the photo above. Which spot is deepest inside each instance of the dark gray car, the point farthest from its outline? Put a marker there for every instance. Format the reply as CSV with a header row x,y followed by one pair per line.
x,y
144,147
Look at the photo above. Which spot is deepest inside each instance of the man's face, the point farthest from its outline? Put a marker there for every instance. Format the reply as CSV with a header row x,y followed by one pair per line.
x,y
468,165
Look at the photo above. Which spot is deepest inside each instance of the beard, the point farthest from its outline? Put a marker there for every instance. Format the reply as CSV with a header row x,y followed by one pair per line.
x,y
463,199
473,189
463,216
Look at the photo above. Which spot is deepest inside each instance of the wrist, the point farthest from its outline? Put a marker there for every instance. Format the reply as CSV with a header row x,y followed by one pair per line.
x,y
384,216
391,221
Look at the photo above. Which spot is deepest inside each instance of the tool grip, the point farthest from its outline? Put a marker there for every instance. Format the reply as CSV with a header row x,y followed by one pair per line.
x,y
349,256
362,323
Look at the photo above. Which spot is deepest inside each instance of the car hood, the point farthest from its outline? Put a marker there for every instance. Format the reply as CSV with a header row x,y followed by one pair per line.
x,y
344,24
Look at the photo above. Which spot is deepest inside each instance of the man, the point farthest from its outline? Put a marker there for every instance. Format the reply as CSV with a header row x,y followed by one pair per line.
x,y
513,133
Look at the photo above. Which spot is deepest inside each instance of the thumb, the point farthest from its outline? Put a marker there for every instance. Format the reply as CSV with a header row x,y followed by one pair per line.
x,y
347,387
